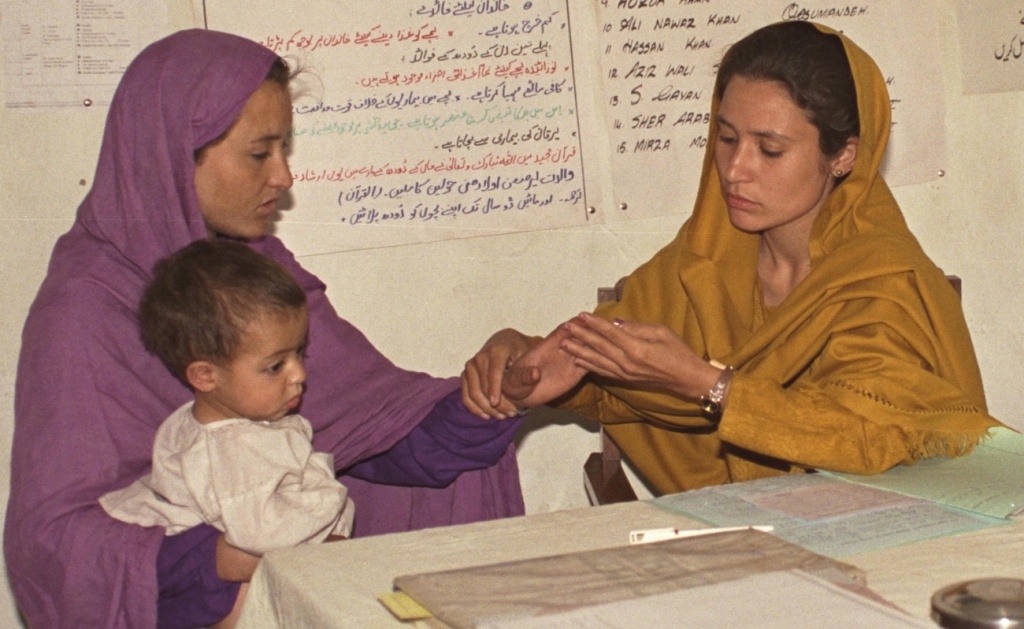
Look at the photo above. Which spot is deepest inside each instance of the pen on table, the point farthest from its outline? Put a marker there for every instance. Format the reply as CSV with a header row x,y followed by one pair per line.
x,y
645,536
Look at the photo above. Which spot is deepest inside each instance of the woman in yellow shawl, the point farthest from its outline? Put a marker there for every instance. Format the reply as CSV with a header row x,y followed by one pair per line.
x,y
793,323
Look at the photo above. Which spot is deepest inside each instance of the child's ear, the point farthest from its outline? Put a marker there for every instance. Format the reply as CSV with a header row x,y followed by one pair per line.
x,y
201,375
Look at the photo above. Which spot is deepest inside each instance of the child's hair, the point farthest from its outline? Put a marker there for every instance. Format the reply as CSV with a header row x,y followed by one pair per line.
x,y
202,297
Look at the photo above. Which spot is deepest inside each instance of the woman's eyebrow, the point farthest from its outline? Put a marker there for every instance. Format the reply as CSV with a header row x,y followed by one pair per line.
x,y
769,135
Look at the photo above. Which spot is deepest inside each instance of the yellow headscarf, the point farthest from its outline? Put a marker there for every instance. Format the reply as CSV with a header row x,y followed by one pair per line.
x,y
868,363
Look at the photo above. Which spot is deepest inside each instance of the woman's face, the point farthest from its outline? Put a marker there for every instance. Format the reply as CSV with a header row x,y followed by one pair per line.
x,y
241,175
772,171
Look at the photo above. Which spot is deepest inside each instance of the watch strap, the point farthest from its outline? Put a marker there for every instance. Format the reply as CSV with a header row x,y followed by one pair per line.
x,y
711,403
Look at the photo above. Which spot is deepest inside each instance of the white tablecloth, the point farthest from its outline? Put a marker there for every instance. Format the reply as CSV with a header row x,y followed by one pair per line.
x,y
336,584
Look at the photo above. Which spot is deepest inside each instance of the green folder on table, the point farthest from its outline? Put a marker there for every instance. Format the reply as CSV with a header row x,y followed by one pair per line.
x,y
989,480
839,515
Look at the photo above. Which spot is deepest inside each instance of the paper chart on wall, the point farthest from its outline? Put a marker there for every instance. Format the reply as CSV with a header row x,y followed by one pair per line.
x,y
60,54
433,119
658,64
991,45
425,120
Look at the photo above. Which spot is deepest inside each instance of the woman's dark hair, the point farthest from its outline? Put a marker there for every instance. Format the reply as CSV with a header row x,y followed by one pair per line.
x,y
279,72
202,298
813,67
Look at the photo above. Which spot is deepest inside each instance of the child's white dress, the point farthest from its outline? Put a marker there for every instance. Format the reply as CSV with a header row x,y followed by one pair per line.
x,y
259,482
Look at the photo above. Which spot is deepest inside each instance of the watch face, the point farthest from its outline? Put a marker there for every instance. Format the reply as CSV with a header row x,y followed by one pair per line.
x,y
711,407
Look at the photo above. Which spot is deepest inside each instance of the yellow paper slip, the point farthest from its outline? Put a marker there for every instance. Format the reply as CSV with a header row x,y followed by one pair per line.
x,y
403,606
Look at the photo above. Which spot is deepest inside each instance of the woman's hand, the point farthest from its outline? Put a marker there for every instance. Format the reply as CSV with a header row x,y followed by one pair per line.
x,y
640,353
484,375
543,373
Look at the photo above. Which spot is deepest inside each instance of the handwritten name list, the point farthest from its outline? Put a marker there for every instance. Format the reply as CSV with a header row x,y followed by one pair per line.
x,y
658,70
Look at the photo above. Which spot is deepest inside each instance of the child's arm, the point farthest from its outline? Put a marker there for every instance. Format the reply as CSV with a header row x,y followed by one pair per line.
x,y
268,489
449,441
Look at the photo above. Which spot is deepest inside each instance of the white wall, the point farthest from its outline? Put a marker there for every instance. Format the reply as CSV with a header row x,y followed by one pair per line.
x,y
430,306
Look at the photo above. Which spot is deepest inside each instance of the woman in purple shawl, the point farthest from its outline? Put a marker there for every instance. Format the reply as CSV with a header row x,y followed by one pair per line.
x,y
89,398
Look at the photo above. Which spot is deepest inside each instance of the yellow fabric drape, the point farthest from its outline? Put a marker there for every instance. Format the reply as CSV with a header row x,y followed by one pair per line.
x,y
867,364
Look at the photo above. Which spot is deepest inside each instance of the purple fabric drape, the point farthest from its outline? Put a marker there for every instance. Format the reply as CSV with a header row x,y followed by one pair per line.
x,y
89,398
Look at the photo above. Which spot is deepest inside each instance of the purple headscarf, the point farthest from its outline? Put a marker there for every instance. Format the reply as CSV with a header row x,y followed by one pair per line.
x,y
89,398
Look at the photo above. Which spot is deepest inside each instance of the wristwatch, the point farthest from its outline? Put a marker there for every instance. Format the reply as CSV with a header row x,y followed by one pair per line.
x,y
712,402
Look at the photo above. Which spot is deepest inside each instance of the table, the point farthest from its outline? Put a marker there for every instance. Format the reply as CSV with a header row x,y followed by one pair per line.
x,y
336,584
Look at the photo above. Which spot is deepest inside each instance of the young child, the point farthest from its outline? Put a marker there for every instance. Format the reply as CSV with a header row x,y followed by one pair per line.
x,y
232,324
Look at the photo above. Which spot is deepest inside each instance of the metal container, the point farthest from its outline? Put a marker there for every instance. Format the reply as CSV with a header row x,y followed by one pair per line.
x,y
980,604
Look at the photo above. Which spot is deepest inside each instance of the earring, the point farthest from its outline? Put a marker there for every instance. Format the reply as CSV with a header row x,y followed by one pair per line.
x,y
838,172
